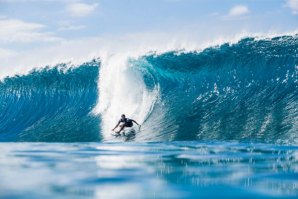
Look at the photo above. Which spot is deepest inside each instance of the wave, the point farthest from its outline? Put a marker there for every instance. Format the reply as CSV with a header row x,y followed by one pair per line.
x,y
51,105
245,91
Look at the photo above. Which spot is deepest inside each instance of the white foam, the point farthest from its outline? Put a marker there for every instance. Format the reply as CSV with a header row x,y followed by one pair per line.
x,y
82,50
122,91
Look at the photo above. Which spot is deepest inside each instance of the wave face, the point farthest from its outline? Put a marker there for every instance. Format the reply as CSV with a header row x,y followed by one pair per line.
x,y
50,105
247,91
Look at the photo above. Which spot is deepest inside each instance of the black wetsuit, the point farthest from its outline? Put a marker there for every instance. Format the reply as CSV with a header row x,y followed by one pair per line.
x,y
127,122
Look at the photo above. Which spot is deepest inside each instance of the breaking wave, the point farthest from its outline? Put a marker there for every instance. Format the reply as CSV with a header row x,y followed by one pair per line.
x,y
245,91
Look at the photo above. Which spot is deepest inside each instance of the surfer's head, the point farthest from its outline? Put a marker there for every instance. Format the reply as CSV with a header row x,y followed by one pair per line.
x,y
123,116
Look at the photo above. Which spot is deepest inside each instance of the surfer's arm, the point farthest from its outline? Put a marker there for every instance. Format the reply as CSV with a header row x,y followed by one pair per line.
x,y
135,122
116,126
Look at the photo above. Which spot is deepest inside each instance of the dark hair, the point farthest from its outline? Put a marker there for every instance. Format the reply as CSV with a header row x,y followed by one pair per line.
x,y
122,115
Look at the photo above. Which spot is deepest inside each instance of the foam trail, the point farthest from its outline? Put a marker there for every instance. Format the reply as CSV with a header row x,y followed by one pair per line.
x,y
122,90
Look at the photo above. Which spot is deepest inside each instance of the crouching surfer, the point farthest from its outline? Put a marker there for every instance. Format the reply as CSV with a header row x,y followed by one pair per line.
x,y
126,122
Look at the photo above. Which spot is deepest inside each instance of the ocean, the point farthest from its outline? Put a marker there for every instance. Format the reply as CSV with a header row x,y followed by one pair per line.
x,y
219,122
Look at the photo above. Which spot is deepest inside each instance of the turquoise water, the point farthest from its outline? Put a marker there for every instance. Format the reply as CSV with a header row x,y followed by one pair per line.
x,y
246,91
148,170
216,123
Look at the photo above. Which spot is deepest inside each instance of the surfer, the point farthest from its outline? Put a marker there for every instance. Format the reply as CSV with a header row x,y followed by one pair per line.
x,y
126,122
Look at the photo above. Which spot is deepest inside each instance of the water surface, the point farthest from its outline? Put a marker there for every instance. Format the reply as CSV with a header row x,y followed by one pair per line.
x,y
148,170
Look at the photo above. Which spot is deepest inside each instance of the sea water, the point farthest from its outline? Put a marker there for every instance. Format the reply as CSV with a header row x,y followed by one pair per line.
x,y
219,122
148,170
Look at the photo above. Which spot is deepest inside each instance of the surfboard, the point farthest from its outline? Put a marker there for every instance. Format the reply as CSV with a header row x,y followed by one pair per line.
x,y
116,134
125,133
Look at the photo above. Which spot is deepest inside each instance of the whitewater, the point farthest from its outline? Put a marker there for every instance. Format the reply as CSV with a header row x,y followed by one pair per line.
x,y
222,118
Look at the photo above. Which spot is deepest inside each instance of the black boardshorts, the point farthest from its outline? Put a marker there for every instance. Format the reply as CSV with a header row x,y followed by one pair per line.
x,y
129,124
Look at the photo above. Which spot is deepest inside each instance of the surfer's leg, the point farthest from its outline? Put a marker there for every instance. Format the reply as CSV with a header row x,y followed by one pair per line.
x,y
122,126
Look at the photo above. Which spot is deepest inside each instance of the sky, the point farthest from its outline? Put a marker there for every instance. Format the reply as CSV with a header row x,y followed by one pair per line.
x,y
41,32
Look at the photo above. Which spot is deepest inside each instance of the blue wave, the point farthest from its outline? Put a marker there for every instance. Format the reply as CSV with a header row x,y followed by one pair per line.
x,y
52,105
245,91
